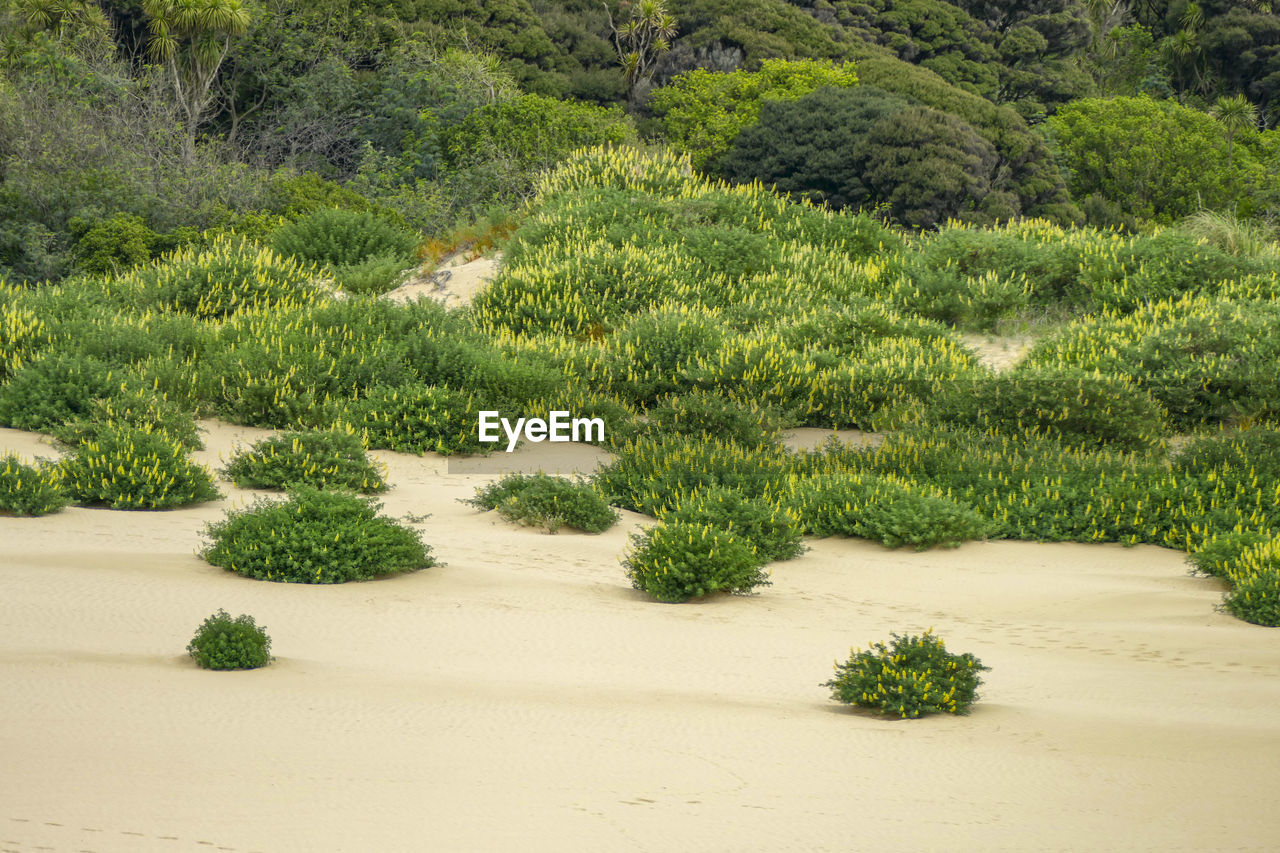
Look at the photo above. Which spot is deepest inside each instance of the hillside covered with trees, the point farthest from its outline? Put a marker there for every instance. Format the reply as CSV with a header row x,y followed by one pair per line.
x,y
131,127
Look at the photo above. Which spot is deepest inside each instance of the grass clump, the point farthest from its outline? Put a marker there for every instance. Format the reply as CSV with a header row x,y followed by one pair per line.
x,y
541,500
330,459
29,489
129,468
314,537
222,642
678,561
774,532
912,676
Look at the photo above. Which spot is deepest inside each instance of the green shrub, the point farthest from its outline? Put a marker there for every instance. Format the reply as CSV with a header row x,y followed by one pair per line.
x,y
677,562
214,282
1204,359
1255,584
113,245
29,489
705,413
653,347
341,237
1222,551
1255,450
130,405
530,133
225,643
333,459
1255,596
23,333
914,675
53,389
702,112
315,536
875,508
417,418
970,301
650,475
1066,403
544,501
375,275
774,532
128,468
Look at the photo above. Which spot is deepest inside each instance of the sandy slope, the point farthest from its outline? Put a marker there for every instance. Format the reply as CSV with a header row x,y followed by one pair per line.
x,y
523,696
460,281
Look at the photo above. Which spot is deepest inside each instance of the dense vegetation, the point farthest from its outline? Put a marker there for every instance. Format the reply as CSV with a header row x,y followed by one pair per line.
x,y
315,536
1102,176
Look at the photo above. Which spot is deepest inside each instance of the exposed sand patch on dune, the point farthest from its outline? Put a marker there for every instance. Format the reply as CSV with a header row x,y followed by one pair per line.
x,y
1000,353
523,696
456,281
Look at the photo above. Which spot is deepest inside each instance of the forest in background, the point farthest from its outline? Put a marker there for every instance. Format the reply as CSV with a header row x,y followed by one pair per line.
x,y
132,127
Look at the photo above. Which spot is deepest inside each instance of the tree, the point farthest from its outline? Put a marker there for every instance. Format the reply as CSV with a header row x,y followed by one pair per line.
x,y
1235,114
702,112
814,147
1157,159
863,147
191,38
644,36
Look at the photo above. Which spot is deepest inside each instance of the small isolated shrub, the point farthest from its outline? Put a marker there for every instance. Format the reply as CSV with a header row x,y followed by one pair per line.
x,y
314,537
332,459
129,468
704,413
545,501
225,643
27,489
343,237
774,532
679,561
915,675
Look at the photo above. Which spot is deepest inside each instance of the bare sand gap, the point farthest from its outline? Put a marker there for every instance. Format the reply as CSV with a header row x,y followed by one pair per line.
x,y
523,696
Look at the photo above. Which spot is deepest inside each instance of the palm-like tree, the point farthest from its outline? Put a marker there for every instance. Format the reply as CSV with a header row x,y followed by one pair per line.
x,y
640,39
191,38
1235,114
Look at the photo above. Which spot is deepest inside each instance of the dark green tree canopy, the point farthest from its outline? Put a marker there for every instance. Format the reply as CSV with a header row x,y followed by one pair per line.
x,y
864,147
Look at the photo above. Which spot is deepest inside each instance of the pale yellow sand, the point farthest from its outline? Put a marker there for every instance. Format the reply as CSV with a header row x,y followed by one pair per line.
x,y
465,279
524,697
1000,353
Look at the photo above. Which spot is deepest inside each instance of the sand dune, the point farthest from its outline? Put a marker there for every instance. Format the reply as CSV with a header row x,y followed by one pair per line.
x,y
523,696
